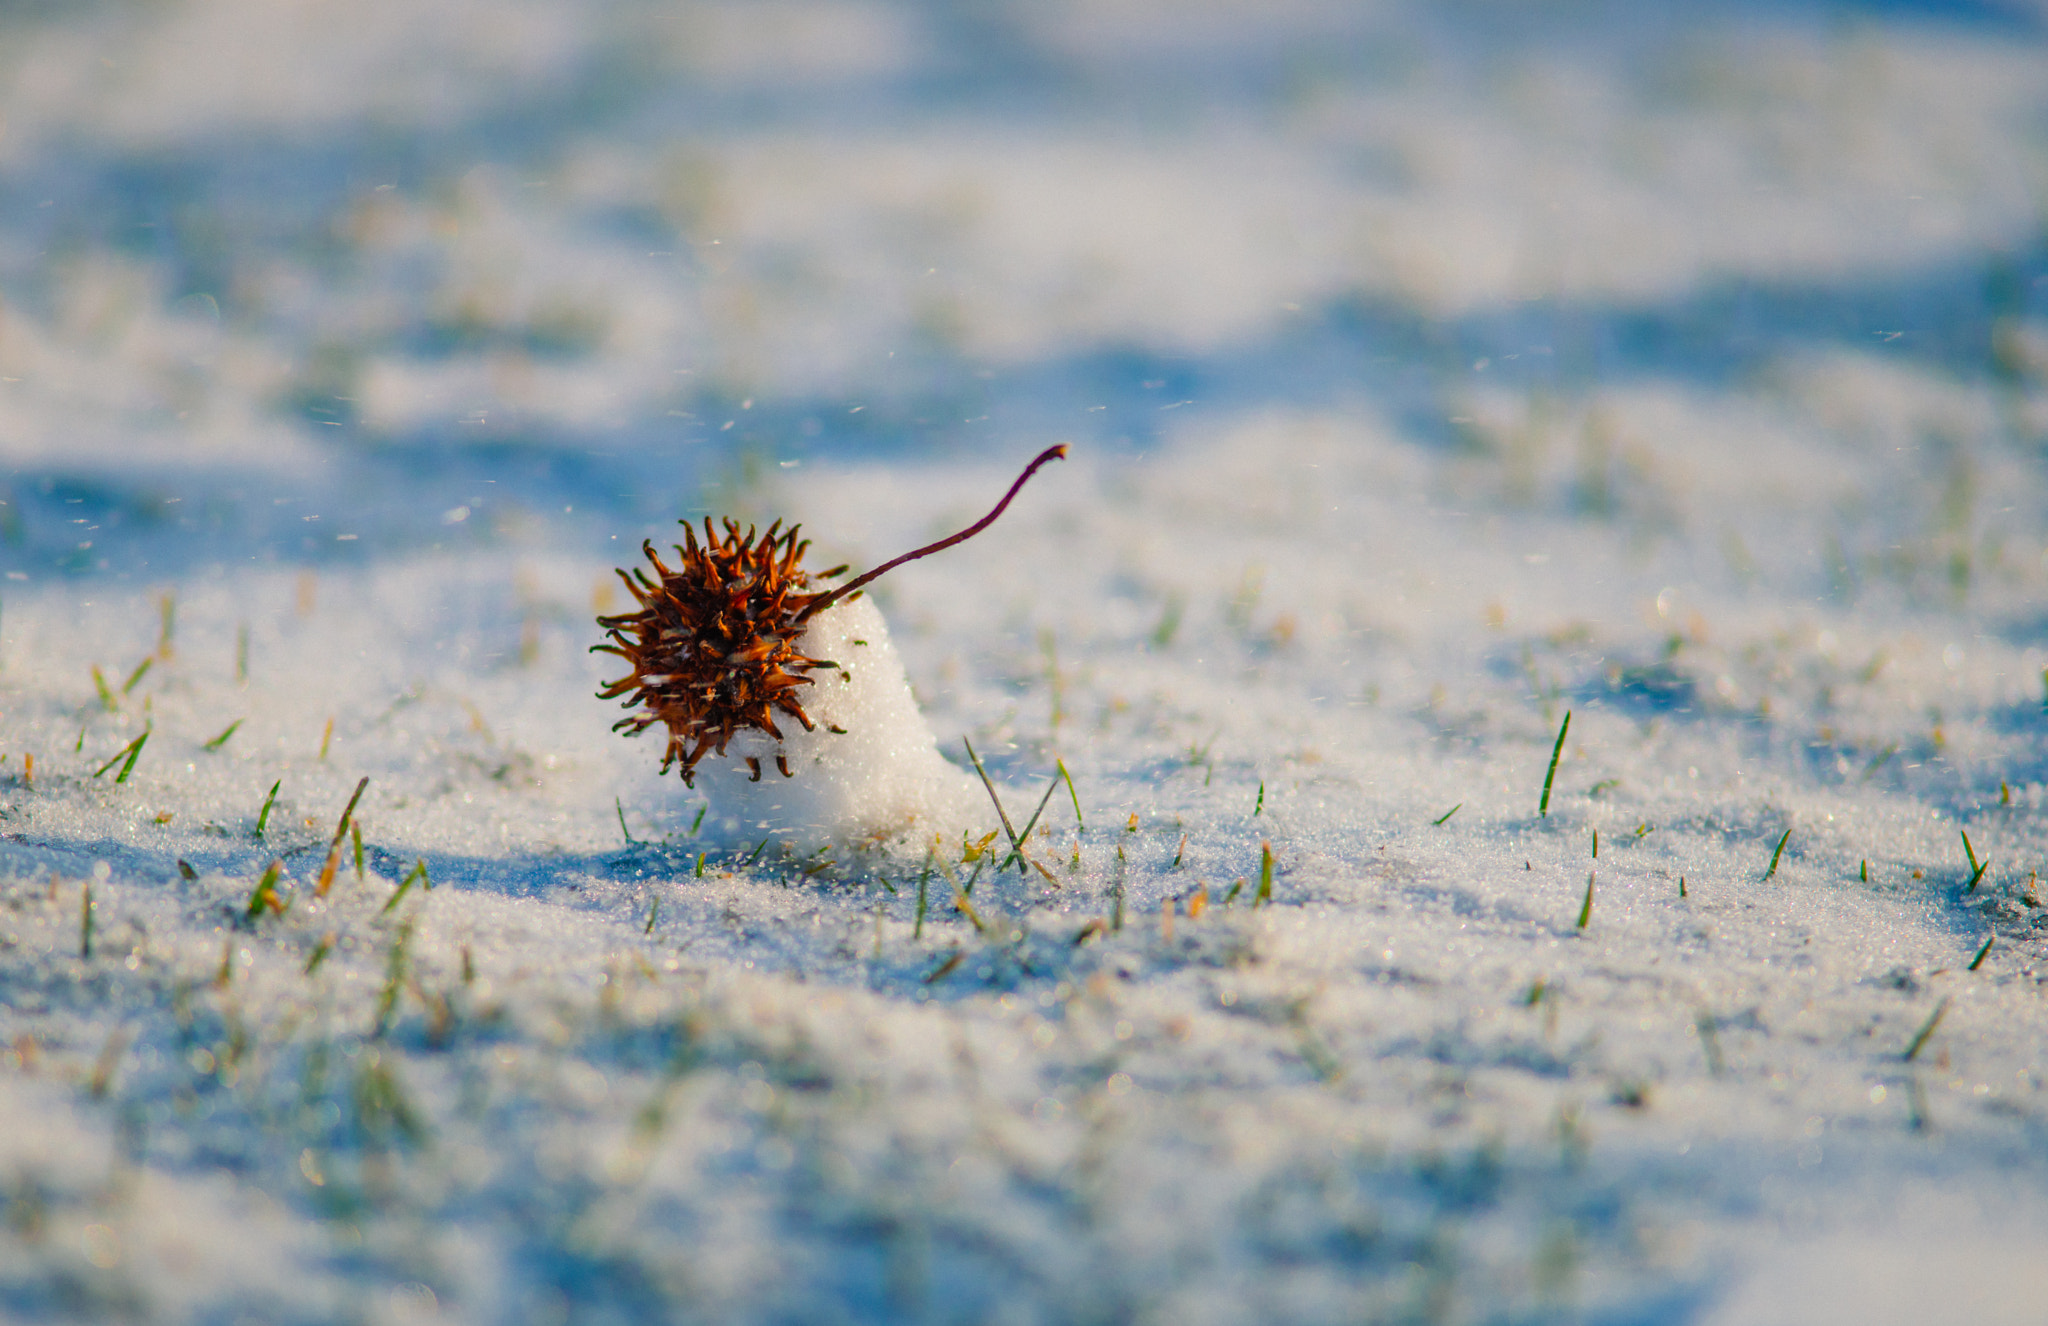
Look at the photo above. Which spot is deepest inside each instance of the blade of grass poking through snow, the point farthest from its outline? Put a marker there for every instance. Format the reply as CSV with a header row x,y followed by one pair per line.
x,y
1586,907
653,914
333,861
1445,818
134,754
1982,953
320,952
965,906
695,824
263,815
394,976
1710,1042
355,833
264,895
924,879
1017,849
1550,774
135,677
418,874
130,752
1265,893
1977,868
1015,843
99,681
85,923
222,739
1926,1030
1259,806
620,806
1116,891
1777,852
1072,795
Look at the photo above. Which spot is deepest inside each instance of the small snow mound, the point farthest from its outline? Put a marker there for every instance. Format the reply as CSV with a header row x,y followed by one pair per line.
x,y
877,783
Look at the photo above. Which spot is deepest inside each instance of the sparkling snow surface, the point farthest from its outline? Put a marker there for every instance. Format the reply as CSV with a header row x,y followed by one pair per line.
x,y
1432,371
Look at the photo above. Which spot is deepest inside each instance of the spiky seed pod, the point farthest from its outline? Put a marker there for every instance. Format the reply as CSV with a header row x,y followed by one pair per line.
x,y
714,645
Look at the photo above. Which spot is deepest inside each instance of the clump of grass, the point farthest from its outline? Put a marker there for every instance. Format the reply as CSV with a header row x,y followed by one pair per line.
x,y
1977,868
264,897
1777,852
130,753
333,861
1017,843
1550,774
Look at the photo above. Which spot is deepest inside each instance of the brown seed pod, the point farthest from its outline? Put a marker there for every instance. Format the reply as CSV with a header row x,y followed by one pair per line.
x,y
713,647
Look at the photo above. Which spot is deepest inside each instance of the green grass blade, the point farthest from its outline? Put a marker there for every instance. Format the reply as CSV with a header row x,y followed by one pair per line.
x,y
1550,774
263,815
417,875
1777,852
1926,1030
265,890
222,739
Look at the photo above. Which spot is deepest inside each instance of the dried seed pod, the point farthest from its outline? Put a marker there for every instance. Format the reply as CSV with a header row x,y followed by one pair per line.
x,y
718,645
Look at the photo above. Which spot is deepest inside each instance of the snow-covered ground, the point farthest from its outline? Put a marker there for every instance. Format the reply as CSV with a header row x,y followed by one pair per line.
x,y
1432,371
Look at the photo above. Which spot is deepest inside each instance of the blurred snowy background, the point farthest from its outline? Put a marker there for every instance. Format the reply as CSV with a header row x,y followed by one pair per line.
x,y
1431,370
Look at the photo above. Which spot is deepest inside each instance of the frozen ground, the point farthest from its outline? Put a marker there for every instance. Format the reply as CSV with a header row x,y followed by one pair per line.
x,y
1431,371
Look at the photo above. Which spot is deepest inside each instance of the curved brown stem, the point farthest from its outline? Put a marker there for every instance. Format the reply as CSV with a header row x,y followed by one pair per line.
x,y
824,601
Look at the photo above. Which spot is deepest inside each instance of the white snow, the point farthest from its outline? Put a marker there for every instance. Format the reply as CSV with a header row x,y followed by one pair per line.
x,y
867,775
1431,371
